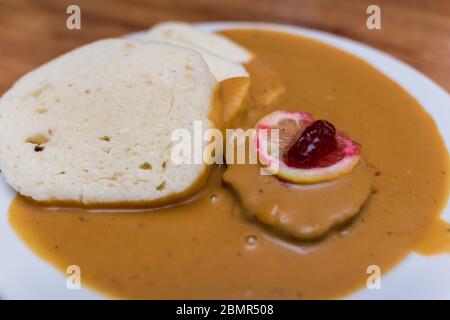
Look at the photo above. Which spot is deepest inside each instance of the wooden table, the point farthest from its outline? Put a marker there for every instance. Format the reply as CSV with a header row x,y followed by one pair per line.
x,y
34,31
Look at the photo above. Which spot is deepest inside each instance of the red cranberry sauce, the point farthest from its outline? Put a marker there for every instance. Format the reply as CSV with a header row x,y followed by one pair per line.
x,y
317,147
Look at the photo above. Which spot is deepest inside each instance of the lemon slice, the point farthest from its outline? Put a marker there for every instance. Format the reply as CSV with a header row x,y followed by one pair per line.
x,y
305,150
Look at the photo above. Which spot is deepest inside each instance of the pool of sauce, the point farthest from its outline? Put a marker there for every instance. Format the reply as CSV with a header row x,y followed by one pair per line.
x,y
209,248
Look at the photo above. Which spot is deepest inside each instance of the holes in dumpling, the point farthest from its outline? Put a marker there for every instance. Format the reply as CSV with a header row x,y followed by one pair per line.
x,y
105,138
41,110
37,93
161,186
146,166
38,140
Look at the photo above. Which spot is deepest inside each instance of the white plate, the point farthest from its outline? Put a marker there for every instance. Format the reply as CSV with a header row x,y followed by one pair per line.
x,y
25,276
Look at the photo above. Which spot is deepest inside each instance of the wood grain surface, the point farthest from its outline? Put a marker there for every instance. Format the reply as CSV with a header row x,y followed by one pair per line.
x,y
34,31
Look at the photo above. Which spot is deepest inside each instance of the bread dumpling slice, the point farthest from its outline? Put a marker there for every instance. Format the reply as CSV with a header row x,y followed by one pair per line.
x,y
266,85
94,125
188,34
220,67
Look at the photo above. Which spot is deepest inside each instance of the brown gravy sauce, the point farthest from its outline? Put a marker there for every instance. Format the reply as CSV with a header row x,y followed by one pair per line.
x,y
209,249
435,238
